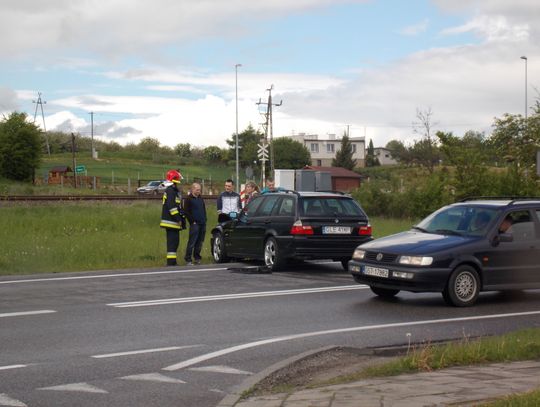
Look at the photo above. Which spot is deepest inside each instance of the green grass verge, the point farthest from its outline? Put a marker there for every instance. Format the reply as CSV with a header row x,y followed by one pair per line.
x,y
519,345
530,399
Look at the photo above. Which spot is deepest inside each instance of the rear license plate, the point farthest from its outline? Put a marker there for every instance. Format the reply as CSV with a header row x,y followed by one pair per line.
x,y
336,230
376,271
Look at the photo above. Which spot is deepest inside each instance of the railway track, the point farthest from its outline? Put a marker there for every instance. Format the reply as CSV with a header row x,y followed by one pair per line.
x,y
80,198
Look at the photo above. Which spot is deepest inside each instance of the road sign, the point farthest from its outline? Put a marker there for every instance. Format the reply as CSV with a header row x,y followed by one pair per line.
x,y
262,152
80,168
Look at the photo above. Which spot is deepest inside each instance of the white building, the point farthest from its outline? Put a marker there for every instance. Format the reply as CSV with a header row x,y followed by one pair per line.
x,y
323,149
384,155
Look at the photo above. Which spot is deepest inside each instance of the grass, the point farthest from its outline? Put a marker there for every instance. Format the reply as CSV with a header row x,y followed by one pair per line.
x,y
98,236
530,399
519,345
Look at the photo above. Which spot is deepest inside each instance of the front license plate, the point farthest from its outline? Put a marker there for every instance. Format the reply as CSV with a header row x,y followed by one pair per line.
x,y
376,271
336,230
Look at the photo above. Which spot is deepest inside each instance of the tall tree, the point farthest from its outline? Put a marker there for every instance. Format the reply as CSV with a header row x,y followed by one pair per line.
x,y
371,160
20,148
290,154
344,156
247,145
399,151
426,148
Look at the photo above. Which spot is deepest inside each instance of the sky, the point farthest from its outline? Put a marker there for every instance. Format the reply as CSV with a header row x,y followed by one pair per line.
x,y
167,69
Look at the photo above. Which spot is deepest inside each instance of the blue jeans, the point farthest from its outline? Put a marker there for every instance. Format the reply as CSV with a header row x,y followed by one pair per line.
x,y
197,232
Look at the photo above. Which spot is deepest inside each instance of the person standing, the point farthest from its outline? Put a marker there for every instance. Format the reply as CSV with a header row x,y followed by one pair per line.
x,y
228,201
172,215
195,211
251,190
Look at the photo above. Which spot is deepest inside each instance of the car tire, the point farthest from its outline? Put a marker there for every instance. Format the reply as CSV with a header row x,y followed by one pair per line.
x,y
272,258
463,287
218,249
384,292
345,264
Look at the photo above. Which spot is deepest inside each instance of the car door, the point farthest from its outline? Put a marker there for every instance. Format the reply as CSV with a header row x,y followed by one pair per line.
x,y
259,223
515,263
240,232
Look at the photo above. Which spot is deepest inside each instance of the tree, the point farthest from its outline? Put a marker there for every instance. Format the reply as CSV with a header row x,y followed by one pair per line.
x,y
149,145
213,154
344,157
183,149
20,148
247,146
426,148
399,151
371,160
290,154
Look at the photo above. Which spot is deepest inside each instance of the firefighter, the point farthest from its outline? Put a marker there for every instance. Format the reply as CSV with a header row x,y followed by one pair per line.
x,y
172,215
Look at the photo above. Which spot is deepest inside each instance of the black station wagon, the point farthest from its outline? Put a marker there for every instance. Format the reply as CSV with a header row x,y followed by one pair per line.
x,y
276,227
461,249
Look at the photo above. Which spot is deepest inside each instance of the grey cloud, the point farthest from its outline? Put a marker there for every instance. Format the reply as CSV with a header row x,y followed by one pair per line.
x,y
8,100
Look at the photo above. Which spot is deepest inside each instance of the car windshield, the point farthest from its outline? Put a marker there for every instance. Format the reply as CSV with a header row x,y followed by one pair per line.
x,y
459,220
324,206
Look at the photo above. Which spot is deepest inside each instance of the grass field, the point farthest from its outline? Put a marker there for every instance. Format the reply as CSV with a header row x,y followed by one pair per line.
x,y
98,236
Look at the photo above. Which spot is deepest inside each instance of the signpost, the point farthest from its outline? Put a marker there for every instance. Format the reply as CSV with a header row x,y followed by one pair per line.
x,y
262,153
80,169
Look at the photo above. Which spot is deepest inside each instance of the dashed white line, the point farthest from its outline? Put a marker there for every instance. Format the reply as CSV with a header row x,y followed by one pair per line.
x,y
168,301
138,352
5,400
25,313
212,355
11,367
78,387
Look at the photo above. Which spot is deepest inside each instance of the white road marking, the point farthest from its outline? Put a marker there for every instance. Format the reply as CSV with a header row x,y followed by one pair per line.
x,y
208,356
220,369
79,387
11,367
138,352
5,400
153,377
25,313
168,301
40,280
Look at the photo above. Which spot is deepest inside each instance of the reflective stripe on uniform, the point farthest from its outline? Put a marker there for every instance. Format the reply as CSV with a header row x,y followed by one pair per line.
x,y
171,255
173,211
169,224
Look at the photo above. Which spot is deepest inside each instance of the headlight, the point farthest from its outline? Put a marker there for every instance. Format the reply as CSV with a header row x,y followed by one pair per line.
x,y
358,254
416,260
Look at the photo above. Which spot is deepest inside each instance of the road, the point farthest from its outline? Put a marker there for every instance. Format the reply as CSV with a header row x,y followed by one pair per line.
x,y
187,336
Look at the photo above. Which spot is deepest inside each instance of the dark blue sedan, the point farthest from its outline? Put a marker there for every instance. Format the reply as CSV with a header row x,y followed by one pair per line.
x,y
459,251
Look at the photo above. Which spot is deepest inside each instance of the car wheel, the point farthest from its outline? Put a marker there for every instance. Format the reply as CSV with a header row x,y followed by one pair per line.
x,y
218,249
384,292
272,258
463,287
345,264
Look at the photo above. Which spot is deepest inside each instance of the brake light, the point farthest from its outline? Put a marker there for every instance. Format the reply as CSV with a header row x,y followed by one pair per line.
x,y
364,230
299,229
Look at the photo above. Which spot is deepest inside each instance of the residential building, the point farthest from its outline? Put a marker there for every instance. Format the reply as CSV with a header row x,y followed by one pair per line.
x,y
323,149
384,155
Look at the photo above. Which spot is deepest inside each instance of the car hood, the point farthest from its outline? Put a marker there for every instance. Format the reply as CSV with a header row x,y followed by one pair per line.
x,y
415,242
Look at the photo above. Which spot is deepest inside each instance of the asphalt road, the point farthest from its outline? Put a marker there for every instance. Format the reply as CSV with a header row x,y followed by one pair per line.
x,y
187,336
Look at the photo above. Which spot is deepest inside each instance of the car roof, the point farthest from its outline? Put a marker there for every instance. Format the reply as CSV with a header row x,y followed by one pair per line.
x,y
308,194
500,202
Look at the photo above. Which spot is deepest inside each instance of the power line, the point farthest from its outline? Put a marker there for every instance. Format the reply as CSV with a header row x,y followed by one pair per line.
x,y
40,103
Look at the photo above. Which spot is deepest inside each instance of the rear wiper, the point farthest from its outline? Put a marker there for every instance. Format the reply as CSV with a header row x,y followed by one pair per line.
x,y
420,229
448,232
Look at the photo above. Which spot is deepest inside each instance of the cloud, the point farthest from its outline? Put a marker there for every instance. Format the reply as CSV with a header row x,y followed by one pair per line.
x,y
115,28
492,29
416,29
8,100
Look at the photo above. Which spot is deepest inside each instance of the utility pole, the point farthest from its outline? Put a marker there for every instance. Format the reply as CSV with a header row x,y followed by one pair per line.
x,y
40,103
268,128
92,133
74,162
236,135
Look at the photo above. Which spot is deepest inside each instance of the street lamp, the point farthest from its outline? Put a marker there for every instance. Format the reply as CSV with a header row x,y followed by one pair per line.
x,y
525,59
236,86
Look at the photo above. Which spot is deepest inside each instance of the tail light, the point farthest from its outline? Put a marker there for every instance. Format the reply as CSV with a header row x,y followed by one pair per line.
x,y
299,229
365,230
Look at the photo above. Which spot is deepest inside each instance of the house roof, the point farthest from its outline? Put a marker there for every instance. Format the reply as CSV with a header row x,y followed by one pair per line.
x,y
60,168
339,172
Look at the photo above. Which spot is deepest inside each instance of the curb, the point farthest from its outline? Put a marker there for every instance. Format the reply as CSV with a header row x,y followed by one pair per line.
x,y
232,398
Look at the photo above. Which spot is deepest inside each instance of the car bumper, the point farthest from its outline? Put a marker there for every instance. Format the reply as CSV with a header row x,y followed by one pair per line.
x,y
313,247
424,279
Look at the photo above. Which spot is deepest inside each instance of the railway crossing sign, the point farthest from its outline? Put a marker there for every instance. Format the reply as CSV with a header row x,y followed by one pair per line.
x,y
262,152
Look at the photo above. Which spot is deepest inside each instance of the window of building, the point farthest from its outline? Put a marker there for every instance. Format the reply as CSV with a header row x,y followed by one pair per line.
x,y
330,148
314,147
354,148
319,163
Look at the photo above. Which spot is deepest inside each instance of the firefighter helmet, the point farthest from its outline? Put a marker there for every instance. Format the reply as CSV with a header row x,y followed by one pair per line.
x,y
174,176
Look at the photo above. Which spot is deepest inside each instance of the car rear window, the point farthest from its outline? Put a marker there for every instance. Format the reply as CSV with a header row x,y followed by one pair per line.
x,y
327,206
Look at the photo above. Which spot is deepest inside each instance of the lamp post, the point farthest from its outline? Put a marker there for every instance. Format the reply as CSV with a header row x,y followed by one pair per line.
x,y
525,59
236,138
